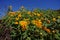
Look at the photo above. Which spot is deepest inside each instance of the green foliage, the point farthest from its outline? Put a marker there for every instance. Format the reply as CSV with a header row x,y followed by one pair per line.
x,y
49,19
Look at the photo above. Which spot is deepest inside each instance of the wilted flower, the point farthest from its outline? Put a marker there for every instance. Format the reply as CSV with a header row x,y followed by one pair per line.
x,y
48,21
46,29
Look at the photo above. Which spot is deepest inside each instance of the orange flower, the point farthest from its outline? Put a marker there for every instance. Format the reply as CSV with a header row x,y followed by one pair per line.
x,y
16,22
24,28
23,24
37,23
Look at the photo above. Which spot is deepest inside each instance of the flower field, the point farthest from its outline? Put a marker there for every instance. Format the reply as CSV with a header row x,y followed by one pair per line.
x,y
32,25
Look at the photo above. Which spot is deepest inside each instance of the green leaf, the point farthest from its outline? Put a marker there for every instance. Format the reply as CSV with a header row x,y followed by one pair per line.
x,y
25,34
57,37
28,38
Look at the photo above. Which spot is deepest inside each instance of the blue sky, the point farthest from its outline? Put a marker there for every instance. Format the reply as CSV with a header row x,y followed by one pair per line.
x,y
29,4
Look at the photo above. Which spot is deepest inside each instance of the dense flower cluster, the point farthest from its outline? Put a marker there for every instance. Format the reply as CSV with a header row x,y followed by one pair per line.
x,y
33,25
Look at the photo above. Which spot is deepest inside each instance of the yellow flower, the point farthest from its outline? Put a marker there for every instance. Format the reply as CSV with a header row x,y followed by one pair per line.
x,y
26,19
19,15
42,19
37,23
29,12
41,14
11,13
23,24
39,20
16,18
54,19
33,21
16,22
38,14
18,12
34,13
58,16
41,33
53,31
28,22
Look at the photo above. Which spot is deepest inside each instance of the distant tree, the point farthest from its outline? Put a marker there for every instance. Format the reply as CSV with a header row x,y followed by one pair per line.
x,y
22,9
9,9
